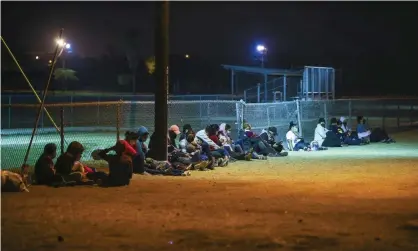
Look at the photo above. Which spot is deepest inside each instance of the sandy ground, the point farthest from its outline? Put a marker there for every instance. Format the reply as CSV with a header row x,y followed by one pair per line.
x,y
356,198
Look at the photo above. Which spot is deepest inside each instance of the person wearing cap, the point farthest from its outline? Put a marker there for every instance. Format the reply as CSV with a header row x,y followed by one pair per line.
x,y
268,136
294,142
68,162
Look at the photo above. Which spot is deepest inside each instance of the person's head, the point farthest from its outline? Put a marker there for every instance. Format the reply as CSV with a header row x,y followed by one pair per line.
x,y
76,149
213,129
190,137
173,131
339,123
143,133
293,126
228,128
321,121
50,150
187,128
272,130
361,120
131,137
333,121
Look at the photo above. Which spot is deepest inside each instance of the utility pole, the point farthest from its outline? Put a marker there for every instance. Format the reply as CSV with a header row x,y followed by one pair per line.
x,y
161,77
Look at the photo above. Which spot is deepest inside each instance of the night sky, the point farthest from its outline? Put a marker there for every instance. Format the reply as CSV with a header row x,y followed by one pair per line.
x,y
375,44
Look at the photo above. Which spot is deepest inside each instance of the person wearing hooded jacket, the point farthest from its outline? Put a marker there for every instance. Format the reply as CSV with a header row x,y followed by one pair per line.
x,y
141,151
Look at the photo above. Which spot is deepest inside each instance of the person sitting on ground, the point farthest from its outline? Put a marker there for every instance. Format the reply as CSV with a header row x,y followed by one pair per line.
x,y
226,140
187,128
362,132
336,129
376,134
269,137
141,151
225,157
207,144
199,159
258,144
178,158
44,167
294,141
323,135
120,164
66,164
347,137
344,125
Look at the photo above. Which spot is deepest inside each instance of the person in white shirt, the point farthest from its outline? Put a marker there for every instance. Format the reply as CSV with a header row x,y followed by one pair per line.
x,y
294,142
344,125
320,132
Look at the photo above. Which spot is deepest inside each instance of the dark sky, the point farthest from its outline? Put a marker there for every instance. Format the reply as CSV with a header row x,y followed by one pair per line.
x,y
377,41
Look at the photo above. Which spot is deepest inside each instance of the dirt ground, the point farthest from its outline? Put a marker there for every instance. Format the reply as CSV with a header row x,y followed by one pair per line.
x,y
355,198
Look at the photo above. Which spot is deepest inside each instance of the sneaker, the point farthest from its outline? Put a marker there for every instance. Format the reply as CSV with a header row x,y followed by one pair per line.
x,y
186,173
248,156
201,165
262,157
283,154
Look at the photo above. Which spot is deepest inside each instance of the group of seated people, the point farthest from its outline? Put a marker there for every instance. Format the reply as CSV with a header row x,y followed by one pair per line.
x,y
339,134
187,150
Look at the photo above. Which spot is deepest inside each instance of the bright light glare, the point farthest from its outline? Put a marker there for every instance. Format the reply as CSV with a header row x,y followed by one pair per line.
x,y
50,61
261,48
68,46
60,42
187,56
36,57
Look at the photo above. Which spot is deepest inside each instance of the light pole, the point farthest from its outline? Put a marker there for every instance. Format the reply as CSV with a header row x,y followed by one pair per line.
x,y
63,45
263,51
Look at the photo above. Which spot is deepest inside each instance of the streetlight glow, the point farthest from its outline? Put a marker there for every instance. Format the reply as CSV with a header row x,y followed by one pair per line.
x,y
67,46
36,57
261,48
187,56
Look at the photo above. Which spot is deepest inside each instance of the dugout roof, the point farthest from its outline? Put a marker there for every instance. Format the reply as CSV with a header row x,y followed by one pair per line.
x,y
264,71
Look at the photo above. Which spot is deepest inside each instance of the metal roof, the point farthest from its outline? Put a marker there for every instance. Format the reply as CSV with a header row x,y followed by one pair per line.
x,y
267,71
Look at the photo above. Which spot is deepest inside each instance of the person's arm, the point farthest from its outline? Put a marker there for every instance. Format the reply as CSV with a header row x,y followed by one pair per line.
x,y
322,133
103,154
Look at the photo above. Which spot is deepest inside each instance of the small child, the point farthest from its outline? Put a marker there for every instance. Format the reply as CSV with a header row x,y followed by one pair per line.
x,y
44,167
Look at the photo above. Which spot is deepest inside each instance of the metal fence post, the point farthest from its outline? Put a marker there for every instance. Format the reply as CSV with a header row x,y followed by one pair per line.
x,y
208,113
325,112
71,111
258,92
299,114
245,95
349,111
118,113
10,111
62,129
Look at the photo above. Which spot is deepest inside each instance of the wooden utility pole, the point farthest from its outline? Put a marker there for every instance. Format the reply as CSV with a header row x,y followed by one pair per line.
x,y
161,77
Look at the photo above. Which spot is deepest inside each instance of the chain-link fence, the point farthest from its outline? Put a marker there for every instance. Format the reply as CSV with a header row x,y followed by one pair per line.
x,y
97,124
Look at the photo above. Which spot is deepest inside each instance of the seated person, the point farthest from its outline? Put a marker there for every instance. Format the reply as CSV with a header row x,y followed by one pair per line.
x,y
44,167
187,128
347,137
269,137
295,142
258,144
199,159
362,132
141,151
337,130
210,148
226,140
375,134
324,137
66,163
120,165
